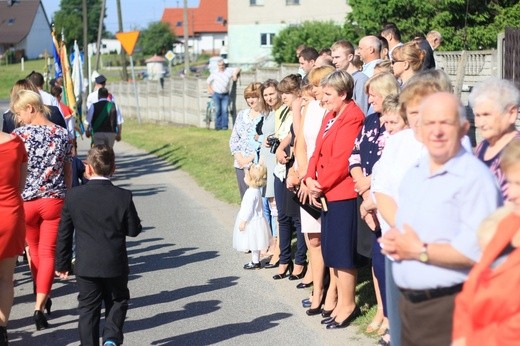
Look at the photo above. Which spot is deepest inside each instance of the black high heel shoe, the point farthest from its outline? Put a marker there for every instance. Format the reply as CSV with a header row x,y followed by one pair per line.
x,y
299,276
304,285
326,313
272,265
3,336
48,305
286,273
353,315
40,321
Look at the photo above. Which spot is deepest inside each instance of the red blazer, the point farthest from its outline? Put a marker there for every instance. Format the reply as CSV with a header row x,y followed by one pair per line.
x,y
329,162
487,311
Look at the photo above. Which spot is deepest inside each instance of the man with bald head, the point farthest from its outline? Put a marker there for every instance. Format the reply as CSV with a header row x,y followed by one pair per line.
x,y
369,50
442,200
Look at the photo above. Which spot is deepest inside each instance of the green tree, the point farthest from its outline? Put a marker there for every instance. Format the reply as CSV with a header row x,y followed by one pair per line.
x,y
313,34
69,18
158,38
464,24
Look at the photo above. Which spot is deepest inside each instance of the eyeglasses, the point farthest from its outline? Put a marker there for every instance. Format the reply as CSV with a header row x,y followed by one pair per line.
x,y
394,61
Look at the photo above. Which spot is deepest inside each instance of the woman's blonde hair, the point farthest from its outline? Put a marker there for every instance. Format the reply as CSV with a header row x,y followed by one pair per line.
x,y
318,73
255,90
341,81
384,66
24,98
256,175
410,52
422,84
510,155
384,84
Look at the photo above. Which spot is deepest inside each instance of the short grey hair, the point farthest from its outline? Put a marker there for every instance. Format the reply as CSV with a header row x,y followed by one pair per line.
x,y
502,92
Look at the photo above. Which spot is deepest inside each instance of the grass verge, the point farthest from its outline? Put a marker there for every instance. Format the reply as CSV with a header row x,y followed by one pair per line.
x,y
204,155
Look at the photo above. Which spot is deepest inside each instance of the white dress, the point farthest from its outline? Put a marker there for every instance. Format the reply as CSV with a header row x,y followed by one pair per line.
x,y
257,235
311,127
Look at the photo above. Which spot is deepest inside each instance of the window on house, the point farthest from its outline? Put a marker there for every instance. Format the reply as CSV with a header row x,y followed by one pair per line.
x,y
292,2
178,24
266,40
256,2
220,19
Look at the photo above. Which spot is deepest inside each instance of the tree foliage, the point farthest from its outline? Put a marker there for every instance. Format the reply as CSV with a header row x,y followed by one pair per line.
x,y
69,18
464,24
158,38
313,34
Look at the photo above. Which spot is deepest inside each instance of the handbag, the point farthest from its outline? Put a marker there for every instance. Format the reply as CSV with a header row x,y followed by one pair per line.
x,y
313,211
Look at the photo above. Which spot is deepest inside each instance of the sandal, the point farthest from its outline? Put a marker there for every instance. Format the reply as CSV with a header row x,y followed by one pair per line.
x,y
385,339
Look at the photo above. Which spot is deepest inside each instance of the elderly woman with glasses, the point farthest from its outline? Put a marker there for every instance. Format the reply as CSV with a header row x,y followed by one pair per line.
x,y
407,60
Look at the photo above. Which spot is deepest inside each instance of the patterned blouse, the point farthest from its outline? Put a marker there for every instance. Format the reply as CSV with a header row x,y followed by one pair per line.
x,y
494,164
242,138
369,144
48,148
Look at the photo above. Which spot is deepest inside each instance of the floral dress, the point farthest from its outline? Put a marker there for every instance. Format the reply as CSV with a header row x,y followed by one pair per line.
x,y
48,148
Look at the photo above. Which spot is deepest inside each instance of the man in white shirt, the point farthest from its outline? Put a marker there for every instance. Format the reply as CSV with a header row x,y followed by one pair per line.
x,y
218,88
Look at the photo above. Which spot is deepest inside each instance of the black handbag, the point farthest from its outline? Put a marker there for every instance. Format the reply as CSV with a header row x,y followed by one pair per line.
x,y
313,211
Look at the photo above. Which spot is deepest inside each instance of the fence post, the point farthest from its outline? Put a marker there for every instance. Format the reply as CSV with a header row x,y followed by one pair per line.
x,y
461,69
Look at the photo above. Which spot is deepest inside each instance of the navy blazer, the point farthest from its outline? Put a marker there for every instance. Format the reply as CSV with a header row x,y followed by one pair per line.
x,y
102,216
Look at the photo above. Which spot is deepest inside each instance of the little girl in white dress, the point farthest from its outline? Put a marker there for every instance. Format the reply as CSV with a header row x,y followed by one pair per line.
x,y
251,232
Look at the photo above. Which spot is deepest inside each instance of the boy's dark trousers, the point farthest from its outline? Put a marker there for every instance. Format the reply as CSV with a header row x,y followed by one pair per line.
x,y
92,291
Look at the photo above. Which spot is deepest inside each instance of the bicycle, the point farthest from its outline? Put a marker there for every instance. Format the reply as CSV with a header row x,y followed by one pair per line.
x,y
211,110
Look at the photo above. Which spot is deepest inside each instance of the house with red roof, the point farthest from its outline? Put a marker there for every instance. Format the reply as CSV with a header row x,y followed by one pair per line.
x,y
207,26
24,29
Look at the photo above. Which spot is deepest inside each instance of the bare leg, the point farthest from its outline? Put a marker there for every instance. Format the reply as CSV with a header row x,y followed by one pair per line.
x,y
379,316
6,288
331,302
346,293
318,267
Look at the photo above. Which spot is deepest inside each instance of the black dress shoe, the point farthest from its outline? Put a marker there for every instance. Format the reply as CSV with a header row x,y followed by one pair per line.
x,y
299,276
304,285
272,265
346,322
306,303
286,273
312,312
326,313
252,265
40,321
48,305
327,320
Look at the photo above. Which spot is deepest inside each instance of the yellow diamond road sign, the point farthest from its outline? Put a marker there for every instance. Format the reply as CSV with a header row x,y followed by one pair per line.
x,y
169,55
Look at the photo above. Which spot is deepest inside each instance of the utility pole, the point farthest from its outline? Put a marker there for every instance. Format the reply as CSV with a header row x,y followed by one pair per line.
x,y
100,33
123,54
186,45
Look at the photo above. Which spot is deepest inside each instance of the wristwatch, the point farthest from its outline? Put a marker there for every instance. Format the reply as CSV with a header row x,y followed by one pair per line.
x,y
423,256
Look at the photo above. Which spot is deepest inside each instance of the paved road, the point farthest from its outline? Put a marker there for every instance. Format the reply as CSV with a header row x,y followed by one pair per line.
x,y
187,283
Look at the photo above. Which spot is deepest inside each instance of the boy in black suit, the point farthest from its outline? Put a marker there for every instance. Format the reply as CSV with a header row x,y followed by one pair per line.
x,y
103,215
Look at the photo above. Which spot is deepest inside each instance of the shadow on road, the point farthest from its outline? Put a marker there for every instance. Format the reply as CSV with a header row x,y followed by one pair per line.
x,y
131,166
184,292
225,332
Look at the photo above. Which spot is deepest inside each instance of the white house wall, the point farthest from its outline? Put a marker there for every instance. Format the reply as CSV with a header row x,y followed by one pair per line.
x,y
39,38
245,47
247,22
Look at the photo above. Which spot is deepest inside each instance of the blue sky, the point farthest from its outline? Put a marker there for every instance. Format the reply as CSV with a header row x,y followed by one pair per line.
x,y
136,13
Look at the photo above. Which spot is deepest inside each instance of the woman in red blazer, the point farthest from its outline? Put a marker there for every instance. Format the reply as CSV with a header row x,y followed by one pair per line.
x,y
487,311
328,176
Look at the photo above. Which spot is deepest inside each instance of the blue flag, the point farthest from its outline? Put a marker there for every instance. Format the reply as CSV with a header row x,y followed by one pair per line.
x,y
57,61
